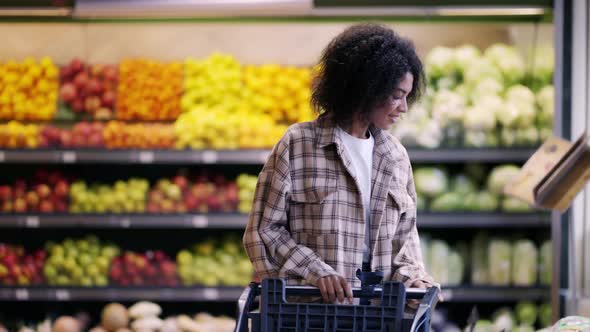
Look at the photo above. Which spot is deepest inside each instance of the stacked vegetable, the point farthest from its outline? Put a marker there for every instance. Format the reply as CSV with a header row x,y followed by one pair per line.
x,y
522,319
469,190
495,261
482,100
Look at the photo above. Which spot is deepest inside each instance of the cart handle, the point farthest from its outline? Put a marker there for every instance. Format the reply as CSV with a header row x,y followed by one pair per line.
x,y
426,306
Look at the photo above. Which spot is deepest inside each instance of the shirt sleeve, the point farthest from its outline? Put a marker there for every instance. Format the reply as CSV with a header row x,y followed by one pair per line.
x,y
267,239
408,265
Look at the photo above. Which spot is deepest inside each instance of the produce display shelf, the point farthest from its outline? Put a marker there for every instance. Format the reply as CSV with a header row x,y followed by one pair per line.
x,y
231,294
483,219
238,157
426,220
482,294
451,155
211,220
156,293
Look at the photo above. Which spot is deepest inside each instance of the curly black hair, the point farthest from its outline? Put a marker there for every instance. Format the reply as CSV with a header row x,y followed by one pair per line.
x,y
360,69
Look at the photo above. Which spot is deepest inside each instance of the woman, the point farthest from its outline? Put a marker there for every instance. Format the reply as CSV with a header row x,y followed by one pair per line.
x,y
337,194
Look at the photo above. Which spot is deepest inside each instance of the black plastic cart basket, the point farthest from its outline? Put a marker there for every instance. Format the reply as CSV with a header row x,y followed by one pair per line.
x,y
275,314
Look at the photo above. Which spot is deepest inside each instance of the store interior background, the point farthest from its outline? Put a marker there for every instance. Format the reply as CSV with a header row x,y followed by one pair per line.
x,y
286,42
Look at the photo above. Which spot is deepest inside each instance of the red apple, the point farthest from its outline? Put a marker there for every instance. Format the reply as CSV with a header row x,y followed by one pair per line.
x,y
94,86
95,140
67,92
78,105
181,182
76,65
5,192
43,191
110,73
81,80
108,98
62,188
46,207
65,73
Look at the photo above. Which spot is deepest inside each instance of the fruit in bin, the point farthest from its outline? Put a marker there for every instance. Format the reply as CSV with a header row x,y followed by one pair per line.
x,y
123,197
120,135
84,88
20,268
114,316
14,135
66,324
246,188
149,90
214,263
28,89
82,262
147,269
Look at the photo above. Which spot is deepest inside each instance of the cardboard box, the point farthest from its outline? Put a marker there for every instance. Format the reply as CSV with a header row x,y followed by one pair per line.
x,y
554,174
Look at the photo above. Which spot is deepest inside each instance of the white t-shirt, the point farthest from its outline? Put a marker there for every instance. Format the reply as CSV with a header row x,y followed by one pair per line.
x,y
361,153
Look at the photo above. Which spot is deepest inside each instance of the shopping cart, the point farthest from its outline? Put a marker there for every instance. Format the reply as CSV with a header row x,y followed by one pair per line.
x,y
275,314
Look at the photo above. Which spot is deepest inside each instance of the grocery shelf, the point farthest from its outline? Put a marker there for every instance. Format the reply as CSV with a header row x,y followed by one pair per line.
x,y
238,157
483,219
451,155
96,156
231,294
160,294
239,221
480,294
211,220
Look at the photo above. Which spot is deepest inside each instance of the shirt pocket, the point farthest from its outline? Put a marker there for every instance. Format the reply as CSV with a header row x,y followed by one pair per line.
x,y
314,212
398,203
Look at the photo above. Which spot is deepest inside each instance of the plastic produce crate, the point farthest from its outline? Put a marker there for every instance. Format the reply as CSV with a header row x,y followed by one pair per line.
x,y
275,314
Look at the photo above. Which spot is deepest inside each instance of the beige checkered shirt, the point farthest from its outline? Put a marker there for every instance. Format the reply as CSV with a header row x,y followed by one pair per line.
x,y
307,218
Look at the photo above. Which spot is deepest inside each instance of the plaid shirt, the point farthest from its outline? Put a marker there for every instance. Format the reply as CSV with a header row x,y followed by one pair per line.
x,y
307,219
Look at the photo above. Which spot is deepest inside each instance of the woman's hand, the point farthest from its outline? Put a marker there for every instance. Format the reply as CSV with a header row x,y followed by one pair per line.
x,y
334,288
423,285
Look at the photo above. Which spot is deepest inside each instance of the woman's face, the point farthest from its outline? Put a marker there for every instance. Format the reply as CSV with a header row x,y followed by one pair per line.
x,y
385,115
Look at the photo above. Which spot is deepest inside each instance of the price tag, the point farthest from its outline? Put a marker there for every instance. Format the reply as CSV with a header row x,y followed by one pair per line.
x,y
2,157
125,223
62,295
264,156
146,157
210,157
21,294
211,294
68,157
200,221
32,221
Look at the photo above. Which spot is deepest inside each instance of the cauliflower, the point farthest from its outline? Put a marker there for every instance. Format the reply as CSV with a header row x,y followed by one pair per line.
x,y
479,70
480,117
431,135
509,115
440,63
465,55
520,94
509,62
447,107
527,137
500,176
486,87
431,181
